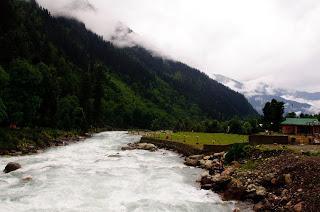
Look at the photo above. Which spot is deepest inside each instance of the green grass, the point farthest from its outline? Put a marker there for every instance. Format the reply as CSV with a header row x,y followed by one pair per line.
x,y
199,139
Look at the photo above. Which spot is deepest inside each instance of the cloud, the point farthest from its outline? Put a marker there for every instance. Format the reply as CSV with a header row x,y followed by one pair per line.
x,y
276,41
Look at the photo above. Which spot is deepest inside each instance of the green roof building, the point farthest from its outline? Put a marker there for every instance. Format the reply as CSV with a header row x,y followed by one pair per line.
x,y
301,126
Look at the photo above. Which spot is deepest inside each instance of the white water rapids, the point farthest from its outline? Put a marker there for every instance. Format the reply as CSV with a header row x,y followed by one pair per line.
x,y
95,175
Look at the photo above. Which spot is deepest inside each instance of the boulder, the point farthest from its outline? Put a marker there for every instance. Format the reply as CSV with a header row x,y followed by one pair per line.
x,y
251,188
125,148
143,146
219,154
235,164
298,207
11,167
287,179
191,162
261,191
196,157
206,157
236,210
202,162
206,186
235,189
205,174
268,177
27,178
209,164
146,146
220,182
114,156
228,171
259,206
274,181
206,180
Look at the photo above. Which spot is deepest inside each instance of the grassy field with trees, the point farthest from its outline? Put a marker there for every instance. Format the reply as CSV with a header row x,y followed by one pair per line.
x,y
198,138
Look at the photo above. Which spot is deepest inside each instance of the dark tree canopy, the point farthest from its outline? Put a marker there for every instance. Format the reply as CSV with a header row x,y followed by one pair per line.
x,y
273,114
56,73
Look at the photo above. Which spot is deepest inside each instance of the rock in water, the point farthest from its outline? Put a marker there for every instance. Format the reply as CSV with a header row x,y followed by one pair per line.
x,y
27,178
191,162
146,146
11,167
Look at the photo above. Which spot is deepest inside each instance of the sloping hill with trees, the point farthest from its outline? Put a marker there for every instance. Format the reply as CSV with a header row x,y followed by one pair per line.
x,y
56,73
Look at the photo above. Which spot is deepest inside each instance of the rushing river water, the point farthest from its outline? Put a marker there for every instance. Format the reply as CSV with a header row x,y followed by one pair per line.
x,y
95,175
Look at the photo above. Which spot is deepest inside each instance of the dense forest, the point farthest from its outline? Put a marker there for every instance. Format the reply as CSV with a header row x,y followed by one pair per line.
x,y
55,73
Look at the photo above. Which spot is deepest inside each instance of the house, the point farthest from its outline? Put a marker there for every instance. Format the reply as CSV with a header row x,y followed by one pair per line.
x,y
301,126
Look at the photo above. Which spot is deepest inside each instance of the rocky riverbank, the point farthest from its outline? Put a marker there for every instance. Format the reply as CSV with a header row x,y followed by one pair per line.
x,y
31,141
270,181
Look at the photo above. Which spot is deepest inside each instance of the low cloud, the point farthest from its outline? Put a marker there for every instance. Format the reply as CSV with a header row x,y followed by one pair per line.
x,y
271,40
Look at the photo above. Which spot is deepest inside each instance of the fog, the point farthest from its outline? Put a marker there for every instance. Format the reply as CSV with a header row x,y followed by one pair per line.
x,y
273,41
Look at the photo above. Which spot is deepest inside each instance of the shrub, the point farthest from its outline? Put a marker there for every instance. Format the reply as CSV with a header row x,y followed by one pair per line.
x,y
238,151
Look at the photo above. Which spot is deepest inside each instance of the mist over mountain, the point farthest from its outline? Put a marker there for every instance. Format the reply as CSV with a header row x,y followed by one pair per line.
x,y
259,93
57,73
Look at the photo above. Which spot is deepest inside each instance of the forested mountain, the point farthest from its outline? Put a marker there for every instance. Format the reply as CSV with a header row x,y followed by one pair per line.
x,y
56,73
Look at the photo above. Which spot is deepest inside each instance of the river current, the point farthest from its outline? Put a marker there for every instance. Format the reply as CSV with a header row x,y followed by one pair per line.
x,y
95,175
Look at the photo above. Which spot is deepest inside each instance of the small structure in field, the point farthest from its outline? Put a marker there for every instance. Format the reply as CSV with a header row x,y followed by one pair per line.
x,y
301,126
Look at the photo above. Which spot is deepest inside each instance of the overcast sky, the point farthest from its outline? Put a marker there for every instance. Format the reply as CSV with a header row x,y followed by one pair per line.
x,y
275,41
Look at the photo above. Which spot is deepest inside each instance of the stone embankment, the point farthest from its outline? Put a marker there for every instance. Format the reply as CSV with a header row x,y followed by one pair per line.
x,y
270,181
287,182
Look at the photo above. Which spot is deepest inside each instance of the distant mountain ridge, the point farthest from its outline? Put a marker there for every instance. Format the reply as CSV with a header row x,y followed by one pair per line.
x,y
260,93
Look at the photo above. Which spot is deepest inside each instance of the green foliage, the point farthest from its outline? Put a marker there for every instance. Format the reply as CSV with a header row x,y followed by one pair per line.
x,y
69,113
4,78
238,152
247,128
59,74
23,139
291,115
3,113
273,115
235,125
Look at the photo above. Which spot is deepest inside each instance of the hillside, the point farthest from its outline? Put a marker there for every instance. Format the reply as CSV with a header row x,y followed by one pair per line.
x,y
56,73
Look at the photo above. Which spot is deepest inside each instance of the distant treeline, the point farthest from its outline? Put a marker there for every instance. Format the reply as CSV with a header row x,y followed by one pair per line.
x,y
54,73
233,126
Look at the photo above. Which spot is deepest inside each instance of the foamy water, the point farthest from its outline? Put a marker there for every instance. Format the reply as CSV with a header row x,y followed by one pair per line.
x,y
95,175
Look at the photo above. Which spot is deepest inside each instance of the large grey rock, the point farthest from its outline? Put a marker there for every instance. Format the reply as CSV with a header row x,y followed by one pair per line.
x,y
196,157
143,146
11,167
146,146
191,162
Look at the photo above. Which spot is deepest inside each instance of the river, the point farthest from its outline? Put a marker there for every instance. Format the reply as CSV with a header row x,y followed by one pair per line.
x,y
95,175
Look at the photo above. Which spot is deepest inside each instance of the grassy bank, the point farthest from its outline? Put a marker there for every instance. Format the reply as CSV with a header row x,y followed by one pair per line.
x,y
29,140
199,139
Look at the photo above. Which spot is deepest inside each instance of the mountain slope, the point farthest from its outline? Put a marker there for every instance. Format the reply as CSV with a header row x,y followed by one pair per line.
x,y
67,76
260,93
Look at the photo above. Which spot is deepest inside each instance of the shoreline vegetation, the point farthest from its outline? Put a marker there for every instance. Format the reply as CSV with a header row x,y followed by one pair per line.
x,y
266,177
25,141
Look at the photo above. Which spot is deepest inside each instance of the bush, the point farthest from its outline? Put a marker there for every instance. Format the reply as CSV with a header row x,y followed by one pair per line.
x,y
237,152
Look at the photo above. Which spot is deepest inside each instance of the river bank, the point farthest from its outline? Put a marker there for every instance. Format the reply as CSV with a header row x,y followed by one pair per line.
x,y
14,142
270,179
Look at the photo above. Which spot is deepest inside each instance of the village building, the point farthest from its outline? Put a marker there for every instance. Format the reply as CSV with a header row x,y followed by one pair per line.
x,y
301,126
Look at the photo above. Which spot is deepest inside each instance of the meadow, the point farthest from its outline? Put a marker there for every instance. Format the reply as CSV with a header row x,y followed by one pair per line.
x,y
199,139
